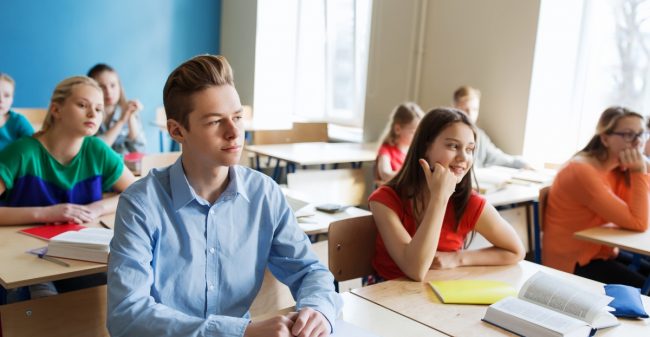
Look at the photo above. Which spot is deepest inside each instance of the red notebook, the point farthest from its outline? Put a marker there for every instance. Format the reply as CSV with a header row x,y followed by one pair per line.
x,y
48,231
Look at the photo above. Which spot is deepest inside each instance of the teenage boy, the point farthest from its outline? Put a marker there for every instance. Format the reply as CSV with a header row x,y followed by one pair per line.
x,y
192,240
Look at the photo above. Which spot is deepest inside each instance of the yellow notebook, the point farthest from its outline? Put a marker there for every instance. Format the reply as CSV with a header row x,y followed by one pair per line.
x,y
472,291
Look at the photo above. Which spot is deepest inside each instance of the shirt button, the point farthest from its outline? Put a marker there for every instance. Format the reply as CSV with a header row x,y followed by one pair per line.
x,y
211,287
211,212
211,250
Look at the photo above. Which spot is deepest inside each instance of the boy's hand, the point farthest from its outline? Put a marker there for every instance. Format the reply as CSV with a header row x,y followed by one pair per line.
x,y
278,326
310,323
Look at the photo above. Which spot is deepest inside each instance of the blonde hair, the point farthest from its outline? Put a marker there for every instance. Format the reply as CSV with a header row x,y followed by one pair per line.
x,y
464,92
403,114
7,78
194,75
62,91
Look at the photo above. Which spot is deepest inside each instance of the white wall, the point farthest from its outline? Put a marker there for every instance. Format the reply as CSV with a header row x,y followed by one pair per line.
x,y
485,44
238,31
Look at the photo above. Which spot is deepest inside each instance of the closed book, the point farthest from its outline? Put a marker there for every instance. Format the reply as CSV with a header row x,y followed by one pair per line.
x,y
89,244
472,291
48,231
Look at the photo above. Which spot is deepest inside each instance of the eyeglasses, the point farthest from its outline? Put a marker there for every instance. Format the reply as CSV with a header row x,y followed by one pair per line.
x,y
632,136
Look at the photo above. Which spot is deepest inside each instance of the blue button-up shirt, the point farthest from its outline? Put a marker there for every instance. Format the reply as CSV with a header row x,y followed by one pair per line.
x,y
182,267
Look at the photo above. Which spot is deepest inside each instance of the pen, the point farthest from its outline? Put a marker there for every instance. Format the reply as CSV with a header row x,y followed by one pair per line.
x,y
104,224
51,259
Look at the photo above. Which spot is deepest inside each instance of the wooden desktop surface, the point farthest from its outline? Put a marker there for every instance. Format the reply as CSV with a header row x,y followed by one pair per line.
x,y
318,152
417,301
637,242
18,268
373,318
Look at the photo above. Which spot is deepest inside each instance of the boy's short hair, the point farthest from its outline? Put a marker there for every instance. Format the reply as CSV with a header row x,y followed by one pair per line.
x,y
466,91
5,77
194,75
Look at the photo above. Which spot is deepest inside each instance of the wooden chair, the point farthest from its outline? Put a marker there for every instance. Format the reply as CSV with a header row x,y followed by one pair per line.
x,y
351,247
76,313
539,222
343,186
35,116
157,160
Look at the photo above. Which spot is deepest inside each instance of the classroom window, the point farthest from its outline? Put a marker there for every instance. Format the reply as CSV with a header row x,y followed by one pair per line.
x,y
311,60
589,55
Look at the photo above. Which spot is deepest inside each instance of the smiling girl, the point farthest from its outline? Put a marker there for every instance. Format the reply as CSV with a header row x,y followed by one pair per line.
x,y
60,173
426,211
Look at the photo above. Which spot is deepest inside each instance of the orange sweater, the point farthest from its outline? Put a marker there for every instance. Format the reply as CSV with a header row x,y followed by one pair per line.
x,y
582,197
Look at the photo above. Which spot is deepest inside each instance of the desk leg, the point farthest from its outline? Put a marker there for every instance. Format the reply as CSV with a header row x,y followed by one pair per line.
x,y
537,233
277,171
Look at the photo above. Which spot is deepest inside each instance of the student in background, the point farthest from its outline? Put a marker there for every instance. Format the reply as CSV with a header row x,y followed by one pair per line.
x,y
120,128
60,173
606,182
468,99
425,213
12,125
396,140
646,147
192,240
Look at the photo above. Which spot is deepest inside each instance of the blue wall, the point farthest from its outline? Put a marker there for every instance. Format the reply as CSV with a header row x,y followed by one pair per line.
x,y
43,42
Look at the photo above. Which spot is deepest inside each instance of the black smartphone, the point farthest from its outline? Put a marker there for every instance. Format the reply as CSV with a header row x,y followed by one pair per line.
x,y
330,208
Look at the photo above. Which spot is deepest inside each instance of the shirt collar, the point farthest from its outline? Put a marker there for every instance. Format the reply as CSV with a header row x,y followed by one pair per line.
x,y
183,193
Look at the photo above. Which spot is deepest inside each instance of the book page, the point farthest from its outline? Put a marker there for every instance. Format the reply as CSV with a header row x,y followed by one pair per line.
x,y
536,314
560,295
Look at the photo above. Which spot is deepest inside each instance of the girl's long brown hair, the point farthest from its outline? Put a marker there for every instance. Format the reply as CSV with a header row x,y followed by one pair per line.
x,y
410,182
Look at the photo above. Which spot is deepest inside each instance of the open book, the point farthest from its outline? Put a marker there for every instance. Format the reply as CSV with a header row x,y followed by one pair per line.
x,y
88,244
549,306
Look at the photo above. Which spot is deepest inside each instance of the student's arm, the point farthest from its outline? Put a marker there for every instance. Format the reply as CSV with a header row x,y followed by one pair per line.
x,y
108,205
507,248
632,214
293,263
132,310
414,255
384,169
495,156
30,215
113,132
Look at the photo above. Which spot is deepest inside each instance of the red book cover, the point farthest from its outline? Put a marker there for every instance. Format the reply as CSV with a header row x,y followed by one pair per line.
x,y
48,231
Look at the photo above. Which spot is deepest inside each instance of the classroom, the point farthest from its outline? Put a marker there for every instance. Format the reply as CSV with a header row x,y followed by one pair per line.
x,y
320,168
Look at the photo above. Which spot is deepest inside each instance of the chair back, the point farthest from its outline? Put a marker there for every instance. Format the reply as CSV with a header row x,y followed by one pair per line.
x,y
300,133
35,116
543,199
157,160
351,247
343,186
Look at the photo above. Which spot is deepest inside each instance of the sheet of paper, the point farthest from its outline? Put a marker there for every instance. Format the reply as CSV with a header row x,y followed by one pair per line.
x,y
345,329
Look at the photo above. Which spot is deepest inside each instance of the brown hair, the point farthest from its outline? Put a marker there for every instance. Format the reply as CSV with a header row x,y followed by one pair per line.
x,y
7,78
62,91
606,125
403,114
102,67
196,74
410,182
466,91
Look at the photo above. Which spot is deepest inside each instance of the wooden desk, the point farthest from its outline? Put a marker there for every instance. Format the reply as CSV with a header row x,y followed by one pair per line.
x,y
18,268
417,301
373,318
314,153
319,223
637,242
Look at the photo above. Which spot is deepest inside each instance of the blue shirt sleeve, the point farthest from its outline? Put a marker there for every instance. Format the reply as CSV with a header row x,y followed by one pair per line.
x,y
132,311
23,127
293,263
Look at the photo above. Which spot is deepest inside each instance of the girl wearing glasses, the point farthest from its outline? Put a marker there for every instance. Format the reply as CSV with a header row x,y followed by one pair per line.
x,y
605,182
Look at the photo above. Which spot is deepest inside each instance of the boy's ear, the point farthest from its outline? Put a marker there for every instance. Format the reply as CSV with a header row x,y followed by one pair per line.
x,y
176,130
